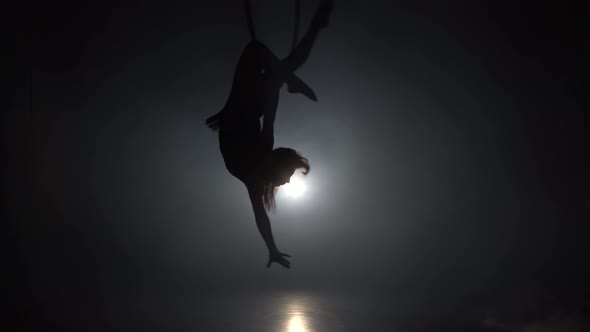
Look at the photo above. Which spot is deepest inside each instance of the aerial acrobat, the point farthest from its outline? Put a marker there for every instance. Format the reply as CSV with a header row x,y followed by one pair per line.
x,y
247,149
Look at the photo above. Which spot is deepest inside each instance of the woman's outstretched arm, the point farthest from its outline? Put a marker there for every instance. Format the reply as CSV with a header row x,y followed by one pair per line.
x,y
263,223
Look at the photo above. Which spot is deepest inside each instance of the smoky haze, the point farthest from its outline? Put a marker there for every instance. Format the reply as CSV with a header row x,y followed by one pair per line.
x,y
449,155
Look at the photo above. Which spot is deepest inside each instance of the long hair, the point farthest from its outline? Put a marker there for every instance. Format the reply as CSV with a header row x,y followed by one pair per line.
x,y
280,160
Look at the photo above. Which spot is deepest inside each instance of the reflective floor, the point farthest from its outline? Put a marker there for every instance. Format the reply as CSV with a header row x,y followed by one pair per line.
x,y
304,313
252,312
281,311
284,312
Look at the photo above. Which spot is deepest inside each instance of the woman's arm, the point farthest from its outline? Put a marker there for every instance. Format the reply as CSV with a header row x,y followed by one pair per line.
x,y
263,223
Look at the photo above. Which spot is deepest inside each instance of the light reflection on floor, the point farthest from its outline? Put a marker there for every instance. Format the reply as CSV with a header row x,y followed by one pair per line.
x,y
296,312
297,324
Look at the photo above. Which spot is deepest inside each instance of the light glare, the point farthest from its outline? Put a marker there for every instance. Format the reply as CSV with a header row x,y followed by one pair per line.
x,y
296,187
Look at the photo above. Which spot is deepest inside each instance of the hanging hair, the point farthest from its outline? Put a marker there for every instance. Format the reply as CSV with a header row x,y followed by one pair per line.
x,y
280,160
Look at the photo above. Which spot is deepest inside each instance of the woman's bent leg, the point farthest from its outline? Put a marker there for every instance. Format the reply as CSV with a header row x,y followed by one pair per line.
x,y
301,52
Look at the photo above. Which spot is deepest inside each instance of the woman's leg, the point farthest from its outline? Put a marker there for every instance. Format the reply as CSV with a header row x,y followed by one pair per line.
x,y
301,52
281,71
275,74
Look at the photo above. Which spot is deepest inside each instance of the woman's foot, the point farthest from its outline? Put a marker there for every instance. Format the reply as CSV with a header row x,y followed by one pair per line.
x,y
296,85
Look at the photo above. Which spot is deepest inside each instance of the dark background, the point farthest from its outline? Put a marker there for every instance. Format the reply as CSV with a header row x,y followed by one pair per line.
x,y
449,152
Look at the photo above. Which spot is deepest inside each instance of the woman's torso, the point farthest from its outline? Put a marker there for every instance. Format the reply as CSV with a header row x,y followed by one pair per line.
x,y
253,90
241,145
240,131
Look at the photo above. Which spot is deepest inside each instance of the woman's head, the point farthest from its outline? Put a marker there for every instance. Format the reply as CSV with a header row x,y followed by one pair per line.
x,y
280,165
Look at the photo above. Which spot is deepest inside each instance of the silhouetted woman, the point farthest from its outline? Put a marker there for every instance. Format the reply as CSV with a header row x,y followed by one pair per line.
x,y
247,149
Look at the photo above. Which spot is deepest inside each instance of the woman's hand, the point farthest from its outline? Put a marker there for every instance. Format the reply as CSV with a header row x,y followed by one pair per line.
x,y
278,257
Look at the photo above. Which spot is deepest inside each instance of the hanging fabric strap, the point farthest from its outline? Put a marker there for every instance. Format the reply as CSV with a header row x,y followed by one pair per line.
x,y
296,28
248,10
